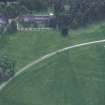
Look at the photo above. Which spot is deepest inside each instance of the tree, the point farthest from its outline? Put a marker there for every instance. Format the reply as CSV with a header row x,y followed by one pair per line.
x,y
35,5
85,12
82,12
62,19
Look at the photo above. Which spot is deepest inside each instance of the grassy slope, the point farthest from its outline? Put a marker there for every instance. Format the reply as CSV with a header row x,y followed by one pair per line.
x,y
65,79
27,46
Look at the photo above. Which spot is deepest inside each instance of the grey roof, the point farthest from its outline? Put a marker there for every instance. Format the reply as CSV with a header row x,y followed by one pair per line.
x,y
7,0
36,18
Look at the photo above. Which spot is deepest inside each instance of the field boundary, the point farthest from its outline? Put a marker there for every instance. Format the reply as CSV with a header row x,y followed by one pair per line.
x,y
3,85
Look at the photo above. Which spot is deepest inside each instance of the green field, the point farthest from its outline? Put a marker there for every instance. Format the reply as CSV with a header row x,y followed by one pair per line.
x,y
74,77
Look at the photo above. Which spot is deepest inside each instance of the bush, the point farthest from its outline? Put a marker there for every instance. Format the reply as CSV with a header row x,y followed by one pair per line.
x,y
65,31
11,28
6,68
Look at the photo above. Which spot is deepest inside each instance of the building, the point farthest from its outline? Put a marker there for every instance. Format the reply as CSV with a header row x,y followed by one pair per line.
x,y
8,2
30,22
3,21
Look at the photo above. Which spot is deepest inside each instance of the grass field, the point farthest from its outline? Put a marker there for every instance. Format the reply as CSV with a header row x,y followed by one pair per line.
x,y
74,77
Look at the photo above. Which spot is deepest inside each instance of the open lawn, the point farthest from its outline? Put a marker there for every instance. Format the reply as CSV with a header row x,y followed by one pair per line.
x,y
24,47
74,77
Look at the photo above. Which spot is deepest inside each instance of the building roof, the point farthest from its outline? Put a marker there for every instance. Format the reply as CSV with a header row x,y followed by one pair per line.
x,y
8,0
36,18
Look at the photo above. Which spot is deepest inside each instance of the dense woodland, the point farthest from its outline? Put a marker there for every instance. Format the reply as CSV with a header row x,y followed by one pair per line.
x,y
87,11
81,12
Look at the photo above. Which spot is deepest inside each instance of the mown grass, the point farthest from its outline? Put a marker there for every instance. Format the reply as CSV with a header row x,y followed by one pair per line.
x,y
74,77
27,46
71,78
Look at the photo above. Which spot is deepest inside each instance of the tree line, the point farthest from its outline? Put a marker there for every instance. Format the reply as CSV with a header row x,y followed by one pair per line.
x,y
83,12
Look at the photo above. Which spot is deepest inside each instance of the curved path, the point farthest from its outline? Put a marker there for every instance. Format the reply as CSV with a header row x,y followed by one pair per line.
x,y
3,85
